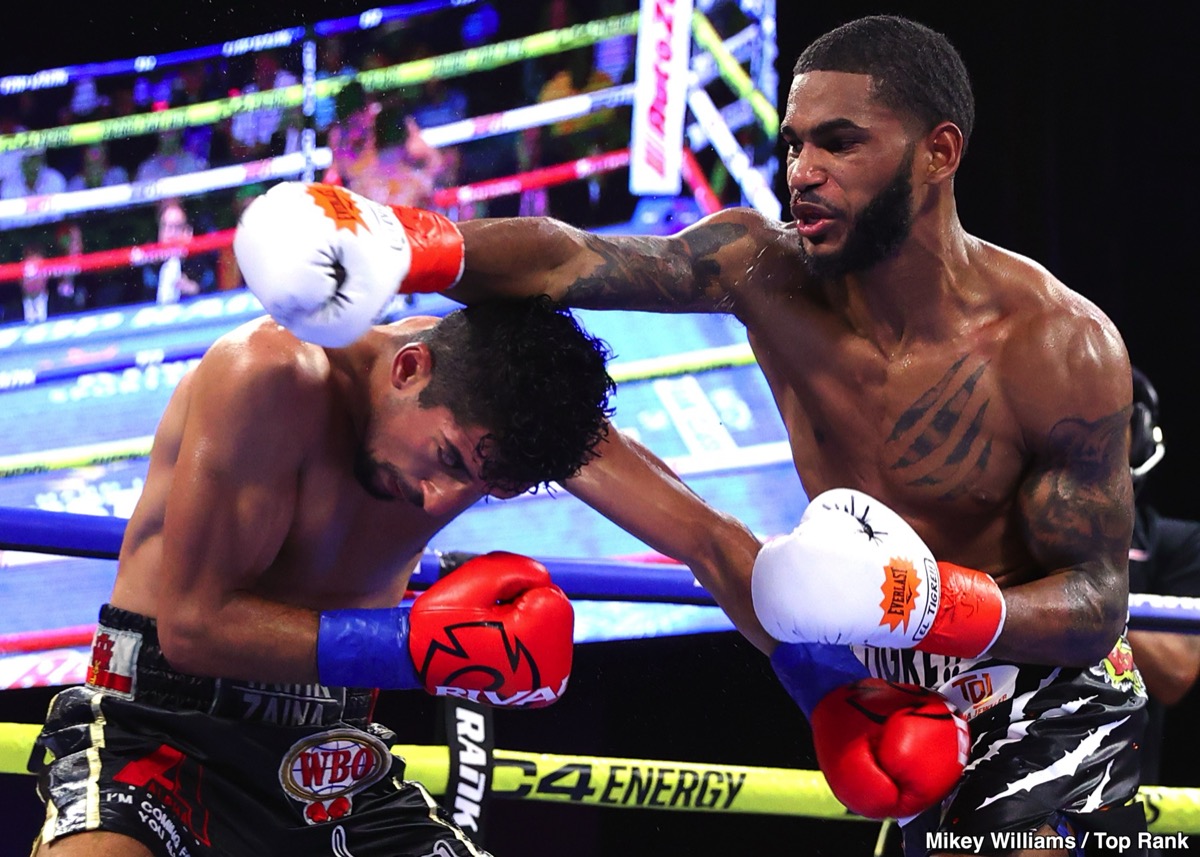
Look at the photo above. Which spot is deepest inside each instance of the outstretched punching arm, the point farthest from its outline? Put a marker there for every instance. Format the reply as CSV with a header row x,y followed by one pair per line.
x,y
325,261
886,750
636,490
693,271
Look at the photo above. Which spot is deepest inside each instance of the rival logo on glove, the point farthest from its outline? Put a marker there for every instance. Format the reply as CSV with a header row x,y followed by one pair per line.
x,y
480,662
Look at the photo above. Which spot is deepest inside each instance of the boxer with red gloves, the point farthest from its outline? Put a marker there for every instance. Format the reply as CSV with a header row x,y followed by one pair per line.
x,y
495,631
291,490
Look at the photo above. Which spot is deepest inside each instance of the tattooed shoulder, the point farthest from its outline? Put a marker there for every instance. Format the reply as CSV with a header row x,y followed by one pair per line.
x,y
1082,499
684,272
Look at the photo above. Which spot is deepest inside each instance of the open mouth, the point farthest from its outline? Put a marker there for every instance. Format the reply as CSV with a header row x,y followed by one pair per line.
x,y
811,220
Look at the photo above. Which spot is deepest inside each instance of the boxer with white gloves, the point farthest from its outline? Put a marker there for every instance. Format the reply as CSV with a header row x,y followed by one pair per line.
x,y
325,261
855,572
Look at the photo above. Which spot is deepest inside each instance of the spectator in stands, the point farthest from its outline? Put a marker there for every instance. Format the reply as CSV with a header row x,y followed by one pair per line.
x,y
1164,559
331,62
182,275
403,173
438,102
590,202
169,159
37,300
251,131
229,276
193,85
97,171
87,103
76,288
10,162
286,138
125,152
34,177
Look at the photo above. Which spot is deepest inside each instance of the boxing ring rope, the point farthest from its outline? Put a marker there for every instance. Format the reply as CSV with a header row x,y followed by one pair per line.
x,y
732,73
99,537
630,783
87,455
412,73
57,77
121,257
704,66
652,783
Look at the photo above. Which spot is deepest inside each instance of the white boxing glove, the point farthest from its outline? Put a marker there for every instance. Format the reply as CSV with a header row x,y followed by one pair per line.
x,y
854,571
325,262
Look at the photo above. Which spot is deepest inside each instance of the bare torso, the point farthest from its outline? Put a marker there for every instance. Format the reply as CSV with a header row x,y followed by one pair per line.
x,y
338,546
928,423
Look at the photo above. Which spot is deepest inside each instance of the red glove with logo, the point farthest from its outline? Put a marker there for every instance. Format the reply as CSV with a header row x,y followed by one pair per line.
x,y
496,630
889,750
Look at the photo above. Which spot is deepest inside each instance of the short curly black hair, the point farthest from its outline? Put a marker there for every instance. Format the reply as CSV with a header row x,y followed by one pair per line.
x,y
526,371
915,70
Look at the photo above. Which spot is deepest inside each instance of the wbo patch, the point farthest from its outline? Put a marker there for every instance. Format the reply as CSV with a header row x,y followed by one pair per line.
x,y
324,771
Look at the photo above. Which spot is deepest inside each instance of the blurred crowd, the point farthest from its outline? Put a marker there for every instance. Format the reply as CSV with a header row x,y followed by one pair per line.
x,y
375,138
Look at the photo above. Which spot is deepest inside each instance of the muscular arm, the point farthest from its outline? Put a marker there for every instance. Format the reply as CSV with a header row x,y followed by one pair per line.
x,y
693,271
632,487
1169,662
1076,501
228,511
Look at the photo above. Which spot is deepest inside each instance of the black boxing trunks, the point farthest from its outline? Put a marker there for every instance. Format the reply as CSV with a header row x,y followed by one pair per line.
x,y
191,766
1052,747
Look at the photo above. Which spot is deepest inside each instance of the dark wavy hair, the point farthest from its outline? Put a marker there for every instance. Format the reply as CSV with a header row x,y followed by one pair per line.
x,y
915,70
528,373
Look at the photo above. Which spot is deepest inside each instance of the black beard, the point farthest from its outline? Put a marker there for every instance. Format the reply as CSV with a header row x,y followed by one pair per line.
x,y
365,472
876,234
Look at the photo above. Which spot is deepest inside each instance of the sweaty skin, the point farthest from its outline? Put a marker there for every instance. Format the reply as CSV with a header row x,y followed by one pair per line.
x,y
252,520
959,383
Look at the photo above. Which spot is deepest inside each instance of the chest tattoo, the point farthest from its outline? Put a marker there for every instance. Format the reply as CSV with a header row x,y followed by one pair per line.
x,y
938,441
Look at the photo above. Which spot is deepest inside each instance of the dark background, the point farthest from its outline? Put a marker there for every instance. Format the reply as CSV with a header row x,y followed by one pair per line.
x,y
1083,158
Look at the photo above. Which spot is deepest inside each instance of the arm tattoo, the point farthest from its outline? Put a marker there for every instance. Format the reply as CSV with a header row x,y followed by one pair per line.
x,y
1081,507
639,273
940,440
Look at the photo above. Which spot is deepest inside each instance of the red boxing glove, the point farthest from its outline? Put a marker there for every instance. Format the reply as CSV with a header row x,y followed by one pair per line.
x,y
496,631
889,750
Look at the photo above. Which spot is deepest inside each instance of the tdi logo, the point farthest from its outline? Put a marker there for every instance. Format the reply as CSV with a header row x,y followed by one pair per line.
x,y
975,687
975,691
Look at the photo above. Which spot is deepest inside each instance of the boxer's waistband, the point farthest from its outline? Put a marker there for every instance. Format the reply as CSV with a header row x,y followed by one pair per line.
x,y
128,662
